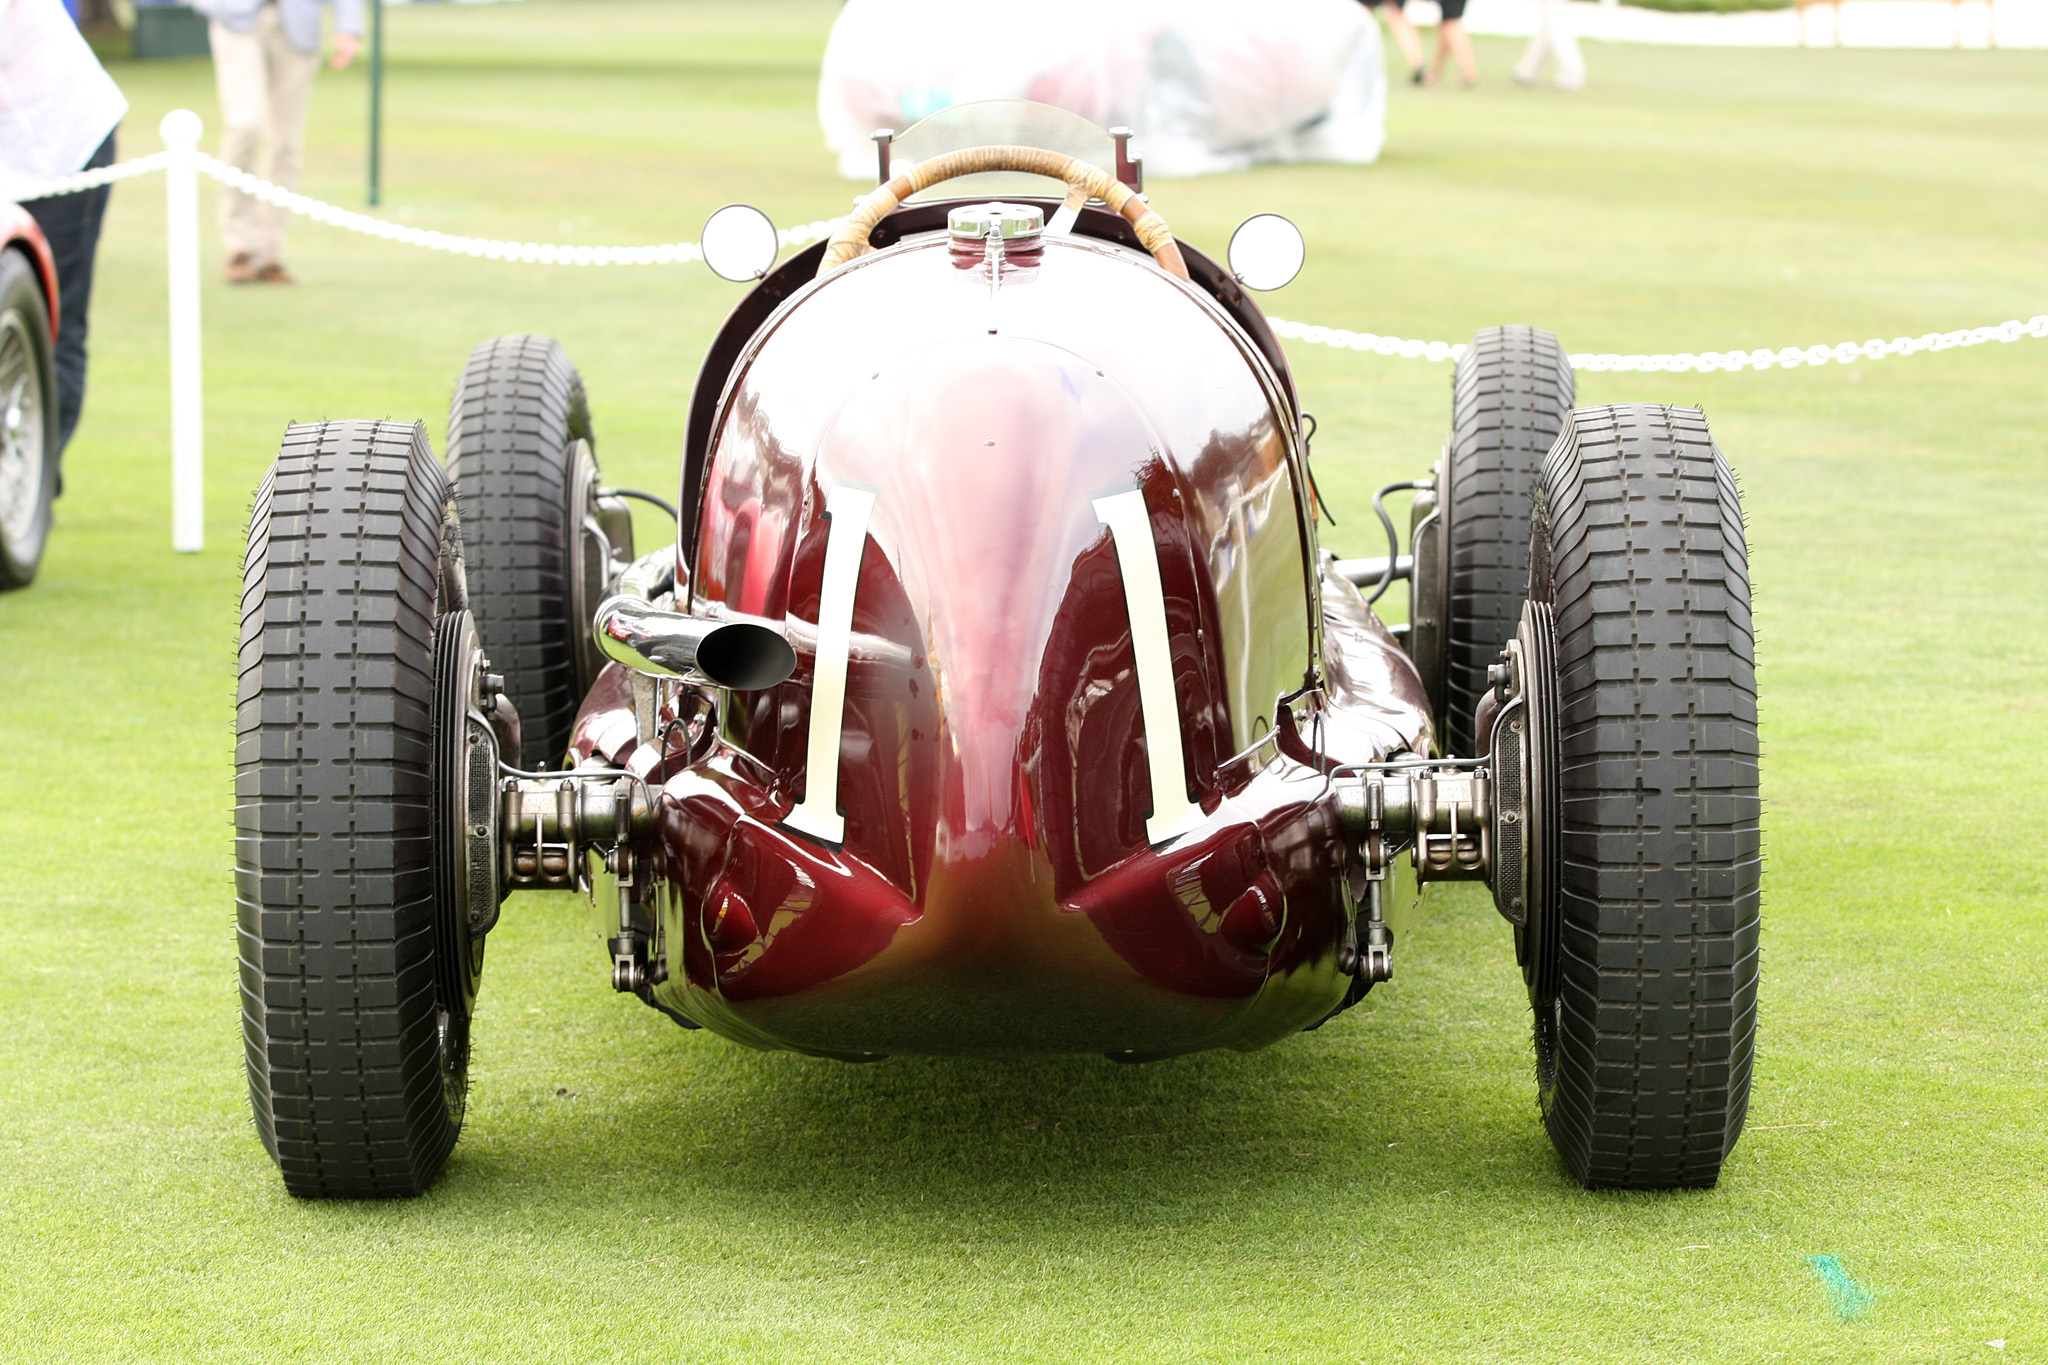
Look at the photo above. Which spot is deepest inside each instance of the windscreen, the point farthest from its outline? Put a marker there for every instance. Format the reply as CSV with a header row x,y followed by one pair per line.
x,y
985,123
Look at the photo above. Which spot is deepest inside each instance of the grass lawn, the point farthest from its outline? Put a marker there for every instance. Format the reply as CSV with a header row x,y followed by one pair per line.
x,y
1379,1190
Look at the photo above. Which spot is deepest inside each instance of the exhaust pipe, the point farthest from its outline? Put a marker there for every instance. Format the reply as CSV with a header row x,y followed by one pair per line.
x,y
1365,573
631,630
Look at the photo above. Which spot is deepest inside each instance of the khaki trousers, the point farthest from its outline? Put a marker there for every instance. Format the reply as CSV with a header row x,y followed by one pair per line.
x,y
1555,39
265,84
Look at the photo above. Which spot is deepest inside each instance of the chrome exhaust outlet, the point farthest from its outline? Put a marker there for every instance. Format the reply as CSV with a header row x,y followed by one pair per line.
x,y
667,644
631,630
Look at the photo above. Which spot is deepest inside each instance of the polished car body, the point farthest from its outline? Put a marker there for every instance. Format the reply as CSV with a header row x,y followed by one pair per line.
x,y
1053,770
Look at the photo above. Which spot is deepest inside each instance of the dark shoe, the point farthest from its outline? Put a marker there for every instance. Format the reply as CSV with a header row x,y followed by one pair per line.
x,y
274,273
241,267
1415,77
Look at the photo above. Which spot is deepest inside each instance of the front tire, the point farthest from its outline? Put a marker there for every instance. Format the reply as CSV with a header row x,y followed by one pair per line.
x,y
356,994
28,421
1646,1021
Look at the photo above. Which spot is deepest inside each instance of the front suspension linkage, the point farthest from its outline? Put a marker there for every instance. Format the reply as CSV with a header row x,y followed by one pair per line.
x,y
554,821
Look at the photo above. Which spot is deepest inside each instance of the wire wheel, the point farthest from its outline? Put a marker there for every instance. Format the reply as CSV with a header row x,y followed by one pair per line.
x,y
28,430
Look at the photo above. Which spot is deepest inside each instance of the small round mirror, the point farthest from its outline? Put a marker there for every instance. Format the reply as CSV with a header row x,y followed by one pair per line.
x,y
1266,251
740,243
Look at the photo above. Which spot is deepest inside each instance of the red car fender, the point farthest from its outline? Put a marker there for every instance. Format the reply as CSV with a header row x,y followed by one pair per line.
x,y
21,231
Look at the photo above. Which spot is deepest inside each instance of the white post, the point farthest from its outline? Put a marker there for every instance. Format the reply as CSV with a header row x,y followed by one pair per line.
x,y
180,130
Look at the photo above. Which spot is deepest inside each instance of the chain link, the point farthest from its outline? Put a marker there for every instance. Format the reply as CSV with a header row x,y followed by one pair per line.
x,y
552,253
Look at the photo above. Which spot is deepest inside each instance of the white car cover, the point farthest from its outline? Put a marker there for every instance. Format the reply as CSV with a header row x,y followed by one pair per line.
x,y
1209,85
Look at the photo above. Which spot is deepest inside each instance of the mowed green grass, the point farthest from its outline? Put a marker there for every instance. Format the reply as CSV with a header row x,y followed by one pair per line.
x,y
1378,1190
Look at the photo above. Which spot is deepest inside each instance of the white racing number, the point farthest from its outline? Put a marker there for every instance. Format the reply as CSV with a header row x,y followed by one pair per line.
x,y
850,508
1137,560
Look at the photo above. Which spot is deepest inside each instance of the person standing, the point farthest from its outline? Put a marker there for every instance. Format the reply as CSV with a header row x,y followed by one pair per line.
x,y
58,111
1453,41
1405,36
265,55
1553,39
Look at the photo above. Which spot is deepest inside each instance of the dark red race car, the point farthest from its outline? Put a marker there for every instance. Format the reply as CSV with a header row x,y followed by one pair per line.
x,y
995,696
28,394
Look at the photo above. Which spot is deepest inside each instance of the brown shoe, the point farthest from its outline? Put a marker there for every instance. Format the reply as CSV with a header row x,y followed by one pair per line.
x,y
241,267
274,273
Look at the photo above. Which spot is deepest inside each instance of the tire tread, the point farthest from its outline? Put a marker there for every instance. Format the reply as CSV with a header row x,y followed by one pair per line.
x,y
1509,398
1661,847
334,890
516,408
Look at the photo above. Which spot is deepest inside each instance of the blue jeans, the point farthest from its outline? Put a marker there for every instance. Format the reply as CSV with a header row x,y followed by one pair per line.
x,y
71,223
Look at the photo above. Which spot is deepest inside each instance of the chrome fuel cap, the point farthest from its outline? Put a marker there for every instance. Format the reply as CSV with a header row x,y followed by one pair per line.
x,y
1008,222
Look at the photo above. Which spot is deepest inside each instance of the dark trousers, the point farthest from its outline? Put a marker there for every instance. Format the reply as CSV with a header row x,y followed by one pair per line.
x,y
71,223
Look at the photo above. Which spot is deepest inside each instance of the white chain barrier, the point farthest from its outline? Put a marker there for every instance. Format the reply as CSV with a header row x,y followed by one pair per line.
x,y
673,253
485,248
537,253
86,180
1787,357
182,161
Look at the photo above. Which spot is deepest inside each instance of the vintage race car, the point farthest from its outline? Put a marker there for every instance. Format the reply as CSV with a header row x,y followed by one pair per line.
x,y
995,696
28,394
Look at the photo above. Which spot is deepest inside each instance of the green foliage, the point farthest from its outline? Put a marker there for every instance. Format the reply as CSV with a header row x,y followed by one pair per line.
x,y
1378,1190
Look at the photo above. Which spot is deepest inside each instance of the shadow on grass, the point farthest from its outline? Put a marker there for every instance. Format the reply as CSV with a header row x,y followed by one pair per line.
x,y
1421,1095
1031,1148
